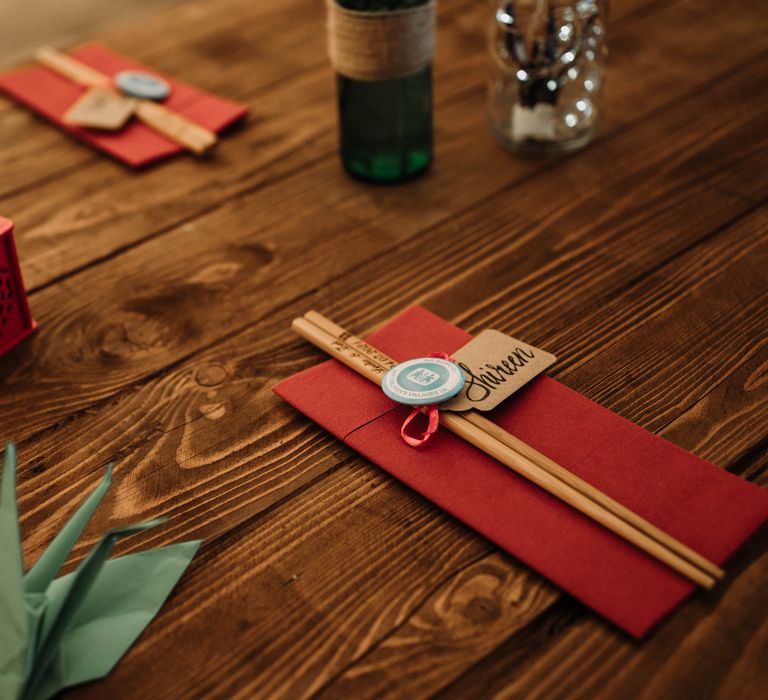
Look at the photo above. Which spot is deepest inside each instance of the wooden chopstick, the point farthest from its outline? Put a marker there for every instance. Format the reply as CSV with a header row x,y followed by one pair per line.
x,y
549,465
179,129
357,355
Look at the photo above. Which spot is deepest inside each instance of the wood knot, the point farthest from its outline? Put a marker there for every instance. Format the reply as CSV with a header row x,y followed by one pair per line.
x,y
211,375
257,254
130,334
216,274
482,610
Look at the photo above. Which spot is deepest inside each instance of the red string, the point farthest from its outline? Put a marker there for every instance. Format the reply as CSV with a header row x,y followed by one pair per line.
x,y
431,411
434,421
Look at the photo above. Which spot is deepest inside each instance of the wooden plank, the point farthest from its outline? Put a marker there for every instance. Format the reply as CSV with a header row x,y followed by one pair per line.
x,y
727,246
330,576
26,143
215,47
163,320
175,317
27,25
241,36
437,642
447,601
273,600
60,232
588,660
246,51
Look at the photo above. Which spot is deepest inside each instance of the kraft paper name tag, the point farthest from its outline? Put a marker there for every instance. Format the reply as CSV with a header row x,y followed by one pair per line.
x,y
495,366
100,109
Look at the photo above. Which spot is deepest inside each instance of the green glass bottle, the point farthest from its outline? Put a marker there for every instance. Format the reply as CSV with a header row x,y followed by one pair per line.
x,y
385,125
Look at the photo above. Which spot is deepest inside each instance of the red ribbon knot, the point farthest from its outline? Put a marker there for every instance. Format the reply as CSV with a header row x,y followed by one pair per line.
x,y
430,410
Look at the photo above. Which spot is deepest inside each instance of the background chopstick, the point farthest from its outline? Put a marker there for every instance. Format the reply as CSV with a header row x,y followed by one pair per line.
x,y
71,68
549,465
373,371
179,129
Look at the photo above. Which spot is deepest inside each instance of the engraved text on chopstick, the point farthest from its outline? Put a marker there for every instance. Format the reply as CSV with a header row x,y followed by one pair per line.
x,y
367,350
343,349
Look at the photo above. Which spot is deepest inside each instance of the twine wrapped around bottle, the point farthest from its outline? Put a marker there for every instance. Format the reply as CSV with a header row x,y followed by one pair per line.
x,y
381,45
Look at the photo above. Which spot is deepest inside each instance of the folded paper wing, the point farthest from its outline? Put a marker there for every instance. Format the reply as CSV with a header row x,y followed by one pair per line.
x,y
124,598
51,95
42,574
13,617
58,632
703,506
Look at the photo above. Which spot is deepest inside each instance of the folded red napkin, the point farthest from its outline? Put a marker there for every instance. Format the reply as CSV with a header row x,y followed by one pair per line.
x,y
708,509
49,94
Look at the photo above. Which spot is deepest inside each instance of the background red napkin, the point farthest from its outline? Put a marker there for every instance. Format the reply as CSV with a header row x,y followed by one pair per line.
x,y
705,507
51,95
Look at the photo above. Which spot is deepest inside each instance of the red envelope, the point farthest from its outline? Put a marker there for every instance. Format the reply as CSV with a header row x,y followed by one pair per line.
x,y
705,507
51,95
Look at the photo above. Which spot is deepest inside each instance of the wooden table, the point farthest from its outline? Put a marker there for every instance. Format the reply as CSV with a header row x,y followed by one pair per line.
x,y
164,300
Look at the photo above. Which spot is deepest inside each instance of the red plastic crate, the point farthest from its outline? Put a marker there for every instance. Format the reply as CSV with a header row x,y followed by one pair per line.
x,y
16,322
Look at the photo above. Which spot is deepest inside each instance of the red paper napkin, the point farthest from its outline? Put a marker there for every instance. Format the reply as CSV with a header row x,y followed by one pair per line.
x,y
50,94
710,510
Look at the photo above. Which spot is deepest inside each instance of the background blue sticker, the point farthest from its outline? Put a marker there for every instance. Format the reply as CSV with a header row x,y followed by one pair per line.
x,y
140,84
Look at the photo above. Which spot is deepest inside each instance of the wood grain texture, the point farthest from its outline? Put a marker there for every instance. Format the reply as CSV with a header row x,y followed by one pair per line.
x,y
380,672
165,299
296,126
252,42
190,404
25,24
254,249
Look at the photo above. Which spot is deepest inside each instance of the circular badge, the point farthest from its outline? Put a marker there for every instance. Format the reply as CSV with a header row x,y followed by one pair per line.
x,y
423,381
139,84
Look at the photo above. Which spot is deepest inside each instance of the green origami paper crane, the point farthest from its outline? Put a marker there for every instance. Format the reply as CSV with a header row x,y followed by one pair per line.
x,y
57,632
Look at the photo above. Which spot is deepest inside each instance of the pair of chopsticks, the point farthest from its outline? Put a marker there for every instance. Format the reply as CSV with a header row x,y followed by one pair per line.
x,y
520,457
179,129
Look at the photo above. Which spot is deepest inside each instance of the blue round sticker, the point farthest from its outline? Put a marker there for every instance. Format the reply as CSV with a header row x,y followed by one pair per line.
x,y
423,381
139,84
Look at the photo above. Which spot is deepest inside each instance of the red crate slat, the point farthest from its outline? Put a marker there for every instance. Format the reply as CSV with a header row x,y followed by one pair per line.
x,y
16,322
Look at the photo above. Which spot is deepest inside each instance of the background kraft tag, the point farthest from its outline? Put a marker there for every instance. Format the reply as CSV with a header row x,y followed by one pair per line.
x,y
100,109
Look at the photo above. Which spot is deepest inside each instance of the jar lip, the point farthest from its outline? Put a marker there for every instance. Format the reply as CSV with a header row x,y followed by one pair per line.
x,y
578,10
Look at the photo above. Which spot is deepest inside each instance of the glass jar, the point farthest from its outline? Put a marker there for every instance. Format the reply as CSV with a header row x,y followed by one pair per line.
x,y
548,64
